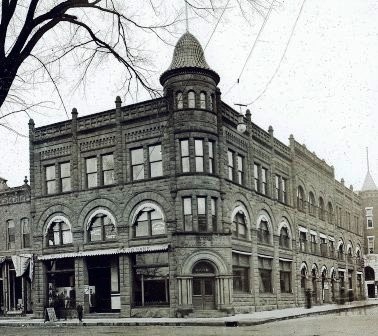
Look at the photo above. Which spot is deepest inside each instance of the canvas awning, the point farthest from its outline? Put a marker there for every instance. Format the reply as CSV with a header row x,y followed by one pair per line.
x,y
21,263
90,253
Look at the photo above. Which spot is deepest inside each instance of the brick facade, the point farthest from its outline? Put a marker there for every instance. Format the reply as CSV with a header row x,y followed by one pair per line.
x,y
216,214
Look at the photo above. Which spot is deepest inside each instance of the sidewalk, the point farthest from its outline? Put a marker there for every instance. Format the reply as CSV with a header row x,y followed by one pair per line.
x,y
236,320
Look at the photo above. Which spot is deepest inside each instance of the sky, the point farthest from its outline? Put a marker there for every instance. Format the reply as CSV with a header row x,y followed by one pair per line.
x,y
325,90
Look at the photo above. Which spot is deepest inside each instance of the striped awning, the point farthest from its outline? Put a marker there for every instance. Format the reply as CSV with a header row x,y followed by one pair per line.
x,y
90,253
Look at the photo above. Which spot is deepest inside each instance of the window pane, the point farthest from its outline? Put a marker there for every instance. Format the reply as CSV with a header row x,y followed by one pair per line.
x,y
141,228
187,206
156,169
137,156
66,184
25,226
198,145
201,205
213,207
50,173
157,227
66,237
191,99
179,100
108,162
240,163
92,180
138,172
154,153
109,229
202,100
242,231
184,147
108,177
91,165
230,158
95,234
199,164
51,187
185,165
65,170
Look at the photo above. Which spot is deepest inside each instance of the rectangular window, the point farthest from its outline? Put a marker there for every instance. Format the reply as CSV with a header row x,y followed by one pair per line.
x,y
285,276
265,272
185,165
11,234
230,156
151,279
156,160
108,169
50,179
188,217
264,181
137,164
202,214
65,176
211,157
313,243
91,170
256,177
277,187
198,151
284,190
214,213
240,272
25,233
370,240
369,211
369,222
240,169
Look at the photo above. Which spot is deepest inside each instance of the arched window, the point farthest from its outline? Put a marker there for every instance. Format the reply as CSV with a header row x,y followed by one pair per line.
x,y
239,227
300,198
321,208
191,99
340,251
330,212
303,276
284,237
59,232
149,222
263,233
369,274
179,100
26,233
314,275
311,203
202,100
101,227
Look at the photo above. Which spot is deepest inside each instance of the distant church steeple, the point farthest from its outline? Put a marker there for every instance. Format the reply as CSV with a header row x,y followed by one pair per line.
x,y
369,182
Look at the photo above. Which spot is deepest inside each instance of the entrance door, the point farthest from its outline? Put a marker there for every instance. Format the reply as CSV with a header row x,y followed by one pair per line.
x,y
203,293
99,280
371,290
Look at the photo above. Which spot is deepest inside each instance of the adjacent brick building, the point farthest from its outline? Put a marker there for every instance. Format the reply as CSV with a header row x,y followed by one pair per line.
x,y
180,205
15,249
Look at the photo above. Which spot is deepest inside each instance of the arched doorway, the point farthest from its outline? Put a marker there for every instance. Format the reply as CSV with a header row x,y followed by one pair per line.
x,y
370,280
203,286
324,284
333,285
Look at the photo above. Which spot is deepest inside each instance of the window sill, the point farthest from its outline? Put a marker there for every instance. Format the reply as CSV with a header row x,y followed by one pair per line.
x,y
149,237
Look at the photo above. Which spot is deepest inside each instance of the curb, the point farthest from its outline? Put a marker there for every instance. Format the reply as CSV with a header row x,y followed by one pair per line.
x,y
203,322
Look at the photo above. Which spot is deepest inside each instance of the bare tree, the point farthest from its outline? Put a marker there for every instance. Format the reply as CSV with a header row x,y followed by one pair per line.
x,y
38,35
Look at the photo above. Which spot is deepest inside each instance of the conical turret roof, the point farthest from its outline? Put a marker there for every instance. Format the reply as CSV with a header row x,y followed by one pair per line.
x,y
188,54
368,183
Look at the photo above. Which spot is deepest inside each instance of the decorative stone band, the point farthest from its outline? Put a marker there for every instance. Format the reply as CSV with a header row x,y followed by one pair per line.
x,y
128,250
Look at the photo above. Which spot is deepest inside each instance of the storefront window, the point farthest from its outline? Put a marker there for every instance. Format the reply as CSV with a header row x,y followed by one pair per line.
x,y
151,279
240,272
61,283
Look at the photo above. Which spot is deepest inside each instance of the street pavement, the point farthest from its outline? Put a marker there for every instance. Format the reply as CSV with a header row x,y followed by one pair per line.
x,y
347,323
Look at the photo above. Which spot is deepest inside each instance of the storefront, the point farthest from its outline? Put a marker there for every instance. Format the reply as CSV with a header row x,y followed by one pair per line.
x,y
15,284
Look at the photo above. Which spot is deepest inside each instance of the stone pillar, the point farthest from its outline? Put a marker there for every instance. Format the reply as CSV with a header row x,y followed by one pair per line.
x,y
125,285
184,288
81,281
223,290
40,289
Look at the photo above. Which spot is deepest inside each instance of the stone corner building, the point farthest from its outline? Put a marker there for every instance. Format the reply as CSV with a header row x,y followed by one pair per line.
x,y
163,208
